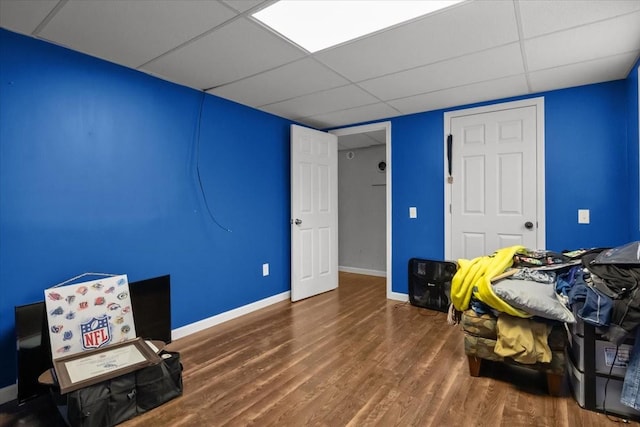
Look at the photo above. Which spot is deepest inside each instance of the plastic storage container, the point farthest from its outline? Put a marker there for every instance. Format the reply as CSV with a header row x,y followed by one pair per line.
x,y
613,391
605,352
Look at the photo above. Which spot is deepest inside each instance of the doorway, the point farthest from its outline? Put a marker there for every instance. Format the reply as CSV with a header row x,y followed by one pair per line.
x,y
368,149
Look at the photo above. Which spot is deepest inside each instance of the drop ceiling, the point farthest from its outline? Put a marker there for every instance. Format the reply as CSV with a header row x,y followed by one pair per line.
x,y
471,52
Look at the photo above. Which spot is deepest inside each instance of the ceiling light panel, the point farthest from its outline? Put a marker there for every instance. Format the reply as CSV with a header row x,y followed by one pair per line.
x,y
317,24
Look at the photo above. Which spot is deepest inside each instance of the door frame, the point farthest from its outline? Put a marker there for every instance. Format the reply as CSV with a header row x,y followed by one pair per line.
x,y
386,126
537,102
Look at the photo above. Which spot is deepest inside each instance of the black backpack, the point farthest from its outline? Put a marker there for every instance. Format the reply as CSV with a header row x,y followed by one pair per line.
x,y
619,279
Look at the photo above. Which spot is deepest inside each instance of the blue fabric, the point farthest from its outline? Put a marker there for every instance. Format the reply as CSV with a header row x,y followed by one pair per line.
x,y
590,305
480,307
566,280
631,387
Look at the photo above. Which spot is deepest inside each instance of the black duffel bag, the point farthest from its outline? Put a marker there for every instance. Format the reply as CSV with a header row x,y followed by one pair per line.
x,y
159,383
104,404
118,399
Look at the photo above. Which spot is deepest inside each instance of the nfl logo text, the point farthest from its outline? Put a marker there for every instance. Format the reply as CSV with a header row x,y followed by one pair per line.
x,y
95,332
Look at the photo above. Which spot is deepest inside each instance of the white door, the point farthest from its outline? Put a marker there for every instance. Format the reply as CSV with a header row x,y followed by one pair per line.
x,y
314,212
494,199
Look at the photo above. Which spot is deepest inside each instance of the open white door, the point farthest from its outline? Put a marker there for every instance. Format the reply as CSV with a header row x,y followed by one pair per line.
x,y
314,212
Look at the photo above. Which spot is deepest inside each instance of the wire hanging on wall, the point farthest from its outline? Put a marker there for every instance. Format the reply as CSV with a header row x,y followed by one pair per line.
x,y
197,155
83,275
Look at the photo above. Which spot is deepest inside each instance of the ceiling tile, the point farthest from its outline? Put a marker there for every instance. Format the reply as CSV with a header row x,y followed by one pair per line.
x,y
605,38
463,95
351,116
235,51
456,31
362,140
132,32
244,5
24,16
298,78
321,102
487,65
596,71
546,16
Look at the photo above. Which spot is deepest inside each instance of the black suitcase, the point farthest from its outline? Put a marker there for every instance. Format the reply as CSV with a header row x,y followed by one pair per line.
x,y
430,283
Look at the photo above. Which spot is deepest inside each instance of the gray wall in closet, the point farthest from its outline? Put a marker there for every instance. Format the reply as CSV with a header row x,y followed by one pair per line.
x,y
362,209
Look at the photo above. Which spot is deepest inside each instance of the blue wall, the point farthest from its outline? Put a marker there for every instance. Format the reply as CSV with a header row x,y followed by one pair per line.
x,y
586,167
634,142
97,173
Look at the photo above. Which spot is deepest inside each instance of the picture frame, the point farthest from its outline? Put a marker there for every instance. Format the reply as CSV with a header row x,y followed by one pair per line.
x,y
90,367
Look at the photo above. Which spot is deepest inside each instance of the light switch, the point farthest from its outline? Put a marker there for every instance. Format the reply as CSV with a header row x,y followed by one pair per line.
x,y
265,269
583,216
413,212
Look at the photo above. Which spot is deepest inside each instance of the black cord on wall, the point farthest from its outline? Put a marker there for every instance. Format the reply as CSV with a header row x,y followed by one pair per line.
x,y
197,155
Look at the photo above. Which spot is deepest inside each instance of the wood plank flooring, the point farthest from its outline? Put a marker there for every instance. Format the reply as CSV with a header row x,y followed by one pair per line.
x,y
348,357
351,357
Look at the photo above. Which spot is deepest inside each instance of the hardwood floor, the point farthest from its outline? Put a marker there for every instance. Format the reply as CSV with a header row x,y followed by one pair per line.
x,y
351,357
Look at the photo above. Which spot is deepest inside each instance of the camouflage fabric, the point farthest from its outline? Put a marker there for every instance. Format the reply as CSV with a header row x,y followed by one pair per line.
x,y
480,347
480,325
480,341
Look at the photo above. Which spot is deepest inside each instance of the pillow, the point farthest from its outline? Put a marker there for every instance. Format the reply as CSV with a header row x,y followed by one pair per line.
x,y
538,299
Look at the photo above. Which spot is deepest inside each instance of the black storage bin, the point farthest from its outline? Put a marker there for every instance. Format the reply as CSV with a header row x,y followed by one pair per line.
x,y
430,283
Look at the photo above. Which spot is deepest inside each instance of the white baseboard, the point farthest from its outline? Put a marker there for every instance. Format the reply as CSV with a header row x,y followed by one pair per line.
x,y
8,393
398,296
366,271
200,325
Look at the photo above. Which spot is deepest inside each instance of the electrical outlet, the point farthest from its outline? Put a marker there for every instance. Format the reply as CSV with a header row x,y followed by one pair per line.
x,y
265,269
413,212
583,216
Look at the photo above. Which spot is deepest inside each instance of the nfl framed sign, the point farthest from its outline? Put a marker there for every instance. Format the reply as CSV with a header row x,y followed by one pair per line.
x,y
89,315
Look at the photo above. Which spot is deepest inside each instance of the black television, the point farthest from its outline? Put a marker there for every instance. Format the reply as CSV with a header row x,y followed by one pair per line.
x,y
151,305
34,356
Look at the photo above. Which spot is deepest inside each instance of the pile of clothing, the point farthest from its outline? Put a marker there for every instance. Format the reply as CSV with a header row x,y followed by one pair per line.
x,y
603,290
599,286
522,299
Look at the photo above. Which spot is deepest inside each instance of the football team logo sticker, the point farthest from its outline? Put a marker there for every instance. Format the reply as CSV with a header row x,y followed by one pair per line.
x,y
95,332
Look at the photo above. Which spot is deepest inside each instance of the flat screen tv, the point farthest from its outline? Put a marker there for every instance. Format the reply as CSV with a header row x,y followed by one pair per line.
x,y
151,305
34,356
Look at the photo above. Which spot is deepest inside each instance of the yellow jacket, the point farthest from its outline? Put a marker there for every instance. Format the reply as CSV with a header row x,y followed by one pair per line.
x,y
474,278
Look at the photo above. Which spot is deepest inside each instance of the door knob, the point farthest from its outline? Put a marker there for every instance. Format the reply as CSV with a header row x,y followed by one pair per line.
x,y
528,225
297,221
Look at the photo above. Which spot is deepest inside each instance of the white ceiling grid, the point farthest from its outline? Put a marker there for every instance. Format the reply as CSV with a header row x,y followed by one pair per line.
x,y
475,51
